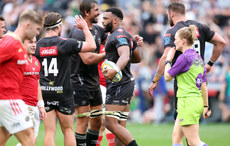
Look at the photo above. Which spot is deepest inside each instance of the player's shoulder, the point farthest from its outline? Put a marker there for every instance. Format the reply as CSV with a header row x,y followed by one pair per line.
x,y
95,26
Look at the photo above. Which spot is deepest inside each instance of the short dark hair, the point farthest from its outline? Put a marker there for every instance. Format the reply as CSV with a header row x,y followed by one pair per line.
x,y
177,7
86,6
115,11
52,19
2,18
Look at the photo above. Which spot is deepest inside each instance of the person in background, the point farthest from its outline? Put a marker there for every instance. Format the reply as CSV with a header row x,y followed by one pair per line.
x,y
192,92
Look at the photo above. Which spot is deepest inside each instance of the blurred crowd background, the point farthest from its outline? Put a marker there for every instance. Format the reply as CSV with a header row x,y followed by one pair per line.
x,y
148,18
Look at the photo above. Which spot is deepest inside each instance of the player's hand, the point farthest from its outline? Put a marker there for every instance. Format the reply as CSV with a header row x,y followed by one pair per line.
x,y
171,54
208,67
206,112
139,40
80,22
43,114
152,88
109,74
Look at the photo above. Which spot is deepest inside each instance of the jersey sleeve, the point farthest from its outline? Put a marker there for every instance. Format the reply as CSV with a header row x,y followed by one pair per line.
x,y
73,46
181,65
169,39
120,40
204,77
208,33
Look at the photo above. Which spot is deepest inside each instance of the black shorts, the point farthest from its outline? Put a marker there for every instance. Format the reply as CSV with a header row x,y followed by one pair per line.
x,y
86,97
120,94
64,106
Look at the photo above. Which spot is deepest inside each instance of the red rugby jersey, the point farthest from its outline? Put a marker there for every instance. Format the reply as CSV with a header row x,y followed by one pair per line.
x,y
13,58
29,88
101,76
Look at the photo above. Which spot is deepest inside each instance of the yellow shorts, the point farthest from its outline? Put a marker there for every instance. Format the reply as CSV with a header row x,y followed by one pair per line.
x,y
189,110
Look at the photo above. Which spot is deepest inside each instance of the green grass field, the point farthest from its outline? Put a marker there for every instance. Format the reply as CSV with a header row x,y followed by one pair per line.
x,y
154,135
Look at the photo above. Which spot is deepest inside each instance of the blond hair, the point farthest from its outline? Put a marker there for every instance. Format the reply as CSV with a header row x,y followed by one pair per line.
x,y
188,33
32,16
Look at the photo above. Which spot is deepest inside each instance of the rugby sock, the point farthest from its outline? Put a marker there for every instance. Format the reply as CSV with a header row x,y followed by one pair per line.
x,y
91,137
177,144
132,143
80,139
99,140
201,143
110,138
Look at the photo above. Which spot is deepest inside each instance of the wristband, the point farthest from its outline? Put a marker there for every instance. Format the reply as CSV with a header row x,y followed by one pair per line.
x,y
206,106
153,81
167,61
117,68
210,63
158,75
40,103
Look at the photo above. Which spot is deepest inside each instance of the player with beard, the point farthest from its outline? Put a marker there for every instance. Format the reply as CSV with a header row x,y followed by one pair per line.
x,y
54,53
121,49
85,78
177,19
14,117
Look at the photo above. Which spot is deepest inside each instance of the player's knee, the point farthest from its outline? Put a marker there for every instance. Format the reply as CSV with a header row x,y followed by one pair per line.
x,y
176,138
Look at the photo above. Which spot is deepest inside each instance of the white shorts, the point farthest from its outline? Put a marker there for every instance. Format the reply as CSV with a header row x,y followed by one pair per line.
x,y
14,115
35,117
103,92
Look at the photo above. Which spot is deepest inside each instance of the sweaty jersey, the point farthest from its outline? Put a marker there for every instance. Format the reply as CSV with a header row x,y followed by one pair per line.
x,y
29,88
120,37
203,33
190,72
54,54
13,58
82,75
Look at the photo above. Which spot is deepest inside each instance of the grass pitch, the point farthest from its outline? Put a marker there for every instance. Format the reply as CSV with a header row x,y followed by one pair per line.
x,y
153,135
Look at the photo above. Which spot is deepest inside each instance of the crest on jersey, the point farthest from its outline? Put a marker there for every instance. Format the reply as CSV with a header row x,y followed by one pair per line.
x,y
36,63
48,51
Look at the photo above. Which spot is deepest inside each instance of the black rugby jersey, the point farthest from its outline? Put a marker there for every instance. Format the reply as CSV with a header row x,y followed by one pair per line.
x,y
54,54
204,34
86,76
120,37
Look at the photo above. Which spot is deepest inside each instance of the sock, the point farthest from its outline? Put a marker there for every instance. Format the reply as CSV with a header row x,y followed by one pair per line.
x,y
91,137
80,139
99,140
177,144
201,143
110,138
132,143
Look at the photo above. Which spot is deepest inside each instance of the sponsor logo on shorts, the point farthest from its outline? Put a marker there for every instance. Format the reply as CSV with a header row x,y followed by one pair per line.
x,y
53,103
27,118
48,51
16,124
181,120
115,101
124,101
